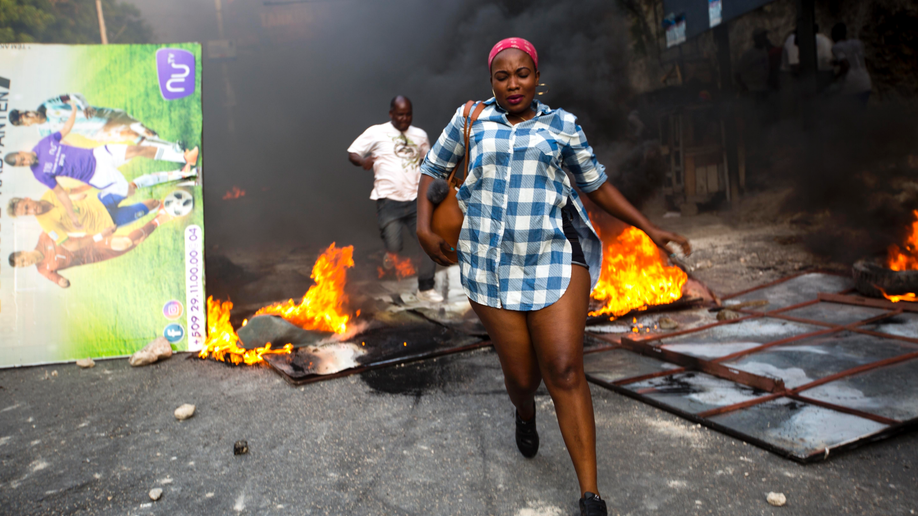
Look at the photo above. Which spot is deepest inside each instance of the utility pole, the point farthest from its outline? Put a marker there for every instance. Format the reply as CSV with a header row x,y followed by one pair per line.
x,y
806,41
102,22
727,94
230,94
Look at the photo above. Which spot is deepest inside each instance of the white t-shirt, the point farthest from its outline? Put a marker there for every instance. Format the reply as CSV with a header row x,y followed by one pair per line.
x,y
398,158
858,79
823,53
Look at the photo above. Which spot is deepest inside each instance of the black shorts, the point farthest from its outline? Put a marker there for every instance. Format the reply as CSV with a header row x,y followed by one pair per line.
x,y
568,212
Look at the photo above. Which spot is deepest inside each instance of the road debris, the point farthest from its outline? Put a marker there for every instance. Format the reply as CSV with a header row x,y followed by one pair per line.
x,y
156,493
776,499
728,315
240,448
667,323
85,363
184,412
152,352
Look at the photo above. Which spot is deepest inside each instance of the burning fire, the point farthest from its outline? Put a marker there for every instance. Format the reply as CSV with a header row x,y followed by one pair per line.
x,y
402,267
904,259
634,276
322,308
235,193
222,341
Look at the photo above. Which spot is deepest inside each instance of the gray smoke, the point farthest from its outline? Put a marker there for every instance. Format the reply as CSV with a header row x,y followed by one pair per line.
x,y
854,172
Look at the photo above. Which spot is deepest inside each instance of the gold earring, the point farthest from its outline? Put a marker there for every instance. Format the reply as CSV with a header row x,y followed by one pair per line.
x,y
540,93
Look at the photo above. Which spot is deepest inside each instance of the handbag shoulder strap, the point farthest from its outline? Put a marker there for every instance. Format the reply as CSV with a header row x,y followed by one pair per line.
x,y
470,118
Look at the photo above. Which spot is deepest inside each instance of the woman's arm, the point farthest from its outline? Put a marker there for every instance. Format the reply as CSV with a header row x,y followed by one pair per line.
x,y
433,244
592,180
614,203
443,157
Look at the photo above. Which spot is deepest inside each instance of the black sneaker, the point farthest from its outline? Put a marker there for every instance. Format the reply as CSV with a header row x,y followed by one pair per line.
x,y
527,437
592,505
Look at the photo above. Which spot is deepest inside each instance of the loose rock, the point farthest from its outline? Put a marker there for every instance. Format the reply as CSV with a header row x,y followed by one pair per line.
x,y
85,363
184,412
728,315
776,499
667,324
152,352
156,493
53,373
704,264
240,448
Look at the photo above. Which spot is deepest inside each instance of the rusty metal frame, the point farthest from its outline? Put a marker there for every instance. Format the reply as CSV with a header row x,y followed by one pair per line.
x,y
644,345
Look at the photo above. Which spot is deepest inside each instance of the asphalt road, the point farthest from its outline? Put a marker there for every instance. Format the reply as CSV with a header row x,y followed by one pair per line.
x,y
432,438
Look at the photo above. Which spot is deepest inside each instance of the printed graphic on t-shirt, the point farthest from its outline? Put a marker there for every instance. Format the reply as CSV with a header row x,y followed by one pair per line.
x,y
408,151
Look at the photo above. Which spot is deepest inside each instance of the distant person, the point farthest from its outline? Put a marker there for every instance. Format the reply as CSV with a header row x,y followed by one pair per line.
x,y
49,257
790,59
104,125
851,75
394,151
756,72
98,167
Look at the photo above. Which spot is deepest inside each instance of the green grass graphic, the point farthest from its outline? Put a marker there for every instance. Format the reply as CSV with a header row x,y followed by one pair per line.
x,y
115,307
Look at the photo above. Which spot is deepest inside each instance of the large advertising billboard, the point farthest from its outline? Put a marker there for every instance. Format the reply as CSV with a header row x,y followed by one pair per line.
x,y
101,230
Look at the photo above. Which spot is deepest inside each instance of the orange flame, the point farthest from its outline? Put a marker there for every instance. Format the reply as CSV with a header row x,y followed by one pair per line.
x,y
634,276
910,298
235,193
402,267
905,258
322,308
222,341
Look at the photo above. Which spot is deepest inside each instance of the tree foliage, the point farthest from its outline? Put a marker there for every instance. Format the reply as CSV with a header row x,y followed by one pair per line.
x,y
70,21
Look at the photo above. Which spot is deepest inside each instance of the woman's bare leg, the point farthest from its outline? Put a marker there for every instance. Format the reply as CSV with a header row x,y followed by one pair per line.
x,y
557,336
509,333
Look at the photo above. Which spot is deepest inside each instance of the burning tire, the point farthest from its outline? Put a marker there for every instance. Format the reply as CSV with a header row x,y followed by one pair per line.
x,y
870,276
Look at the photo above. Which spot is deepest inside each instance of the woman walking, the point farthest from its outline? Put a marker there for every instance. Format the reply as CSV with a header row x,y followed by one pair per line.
x,y
528,254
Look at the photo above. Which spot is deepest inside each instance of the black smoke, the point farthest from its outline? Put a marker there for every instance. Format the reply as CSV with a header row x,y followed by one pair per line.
x,y
303,92
854,175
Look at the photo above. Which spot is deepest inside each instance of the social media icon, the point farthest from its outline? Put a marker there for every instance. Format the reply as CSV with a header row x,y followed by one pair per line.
x,y
173,310
174,333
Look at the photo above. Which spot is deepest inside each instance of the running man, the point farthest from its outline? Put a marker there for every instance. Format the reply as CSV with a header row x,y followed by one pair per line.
x,y
103,125
49,257
97,167
94,216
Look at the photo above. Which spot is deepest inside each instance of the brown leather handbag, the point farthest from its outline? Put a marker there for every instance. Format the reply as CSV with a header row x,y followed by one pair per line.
x,y
446,221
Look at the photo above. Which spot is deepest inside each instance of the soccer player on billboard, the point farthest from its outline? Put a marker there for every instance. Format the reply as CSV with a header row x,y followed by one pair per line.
x,y
94,216
97,167
103,125
49,257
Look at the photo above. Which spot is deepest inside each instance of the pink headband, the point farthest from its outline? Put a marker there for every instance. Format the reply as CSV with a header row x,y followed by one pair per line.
x,y
518,43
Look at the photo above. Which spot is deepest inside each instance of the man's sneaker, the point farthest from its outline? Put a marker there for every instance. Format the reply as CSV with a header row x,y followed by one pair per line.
x,y
429,296
592,505
527,437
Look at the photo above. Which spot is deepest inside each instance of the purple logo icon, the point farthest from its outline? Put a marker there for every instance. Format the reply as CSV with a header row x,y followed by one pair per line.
x,y
175,68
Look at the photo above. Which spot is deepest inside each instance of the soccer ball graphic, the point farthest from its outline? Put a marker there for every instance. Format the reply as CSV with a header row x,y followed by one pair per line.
x,y
178,203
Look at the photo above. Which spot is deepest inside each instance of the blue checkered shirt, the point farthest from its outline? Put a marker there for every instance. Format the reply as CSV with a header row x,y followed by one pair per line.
x,y
512,249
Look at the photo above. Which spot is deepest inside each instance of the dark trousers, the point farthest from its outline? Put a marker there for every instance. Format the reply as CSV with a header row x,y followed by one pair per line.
x,y
397,218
